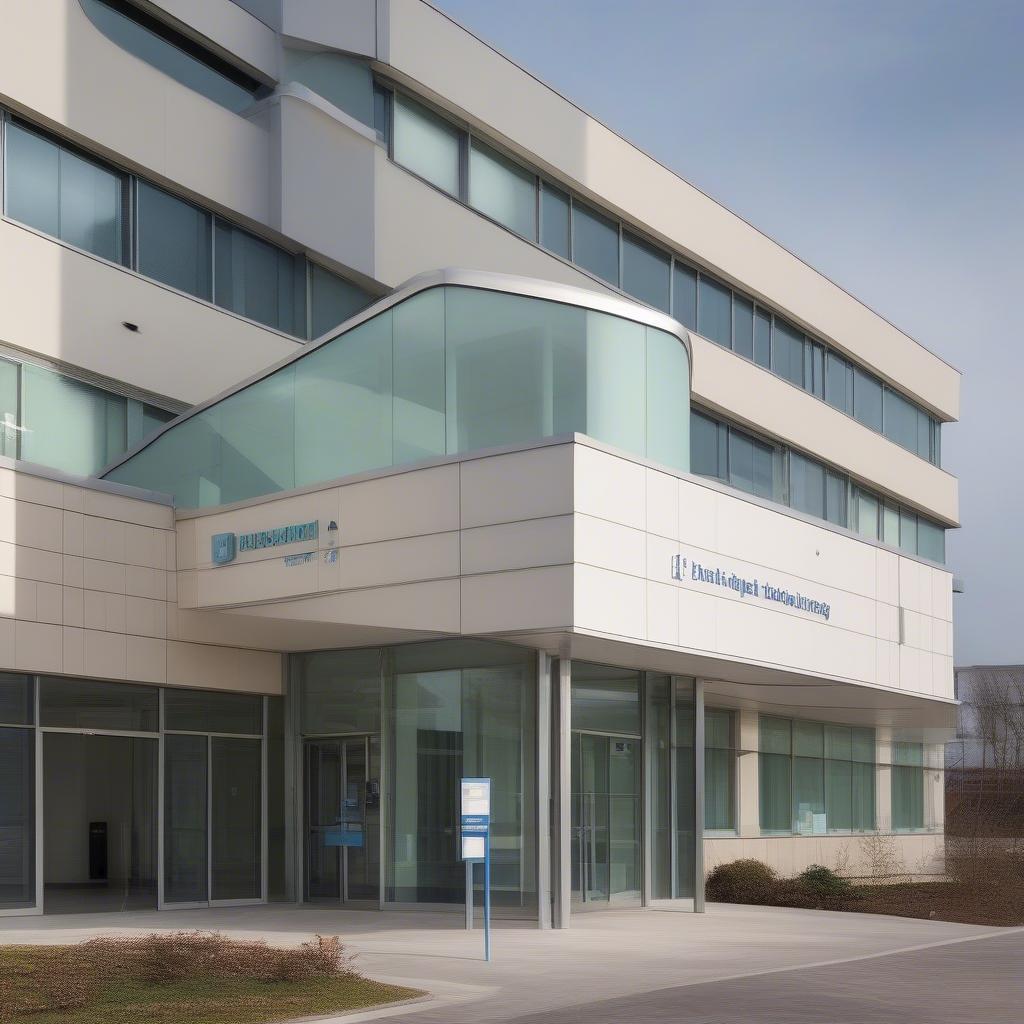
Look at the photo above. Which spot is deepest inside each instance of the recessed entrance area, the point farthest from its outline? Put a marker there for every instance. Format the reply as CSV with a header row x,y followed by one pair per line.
x,y
99,822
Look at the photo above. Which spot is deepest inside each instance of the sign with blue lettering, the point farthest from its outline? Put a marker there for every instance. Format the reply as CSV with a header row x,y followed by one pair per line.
x,y
224,546
476,818
346,834
689,569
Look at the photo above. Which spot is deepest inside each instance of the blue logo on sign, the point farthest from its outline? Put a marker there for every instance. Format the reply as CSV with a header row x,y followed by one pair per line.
x,y
222,548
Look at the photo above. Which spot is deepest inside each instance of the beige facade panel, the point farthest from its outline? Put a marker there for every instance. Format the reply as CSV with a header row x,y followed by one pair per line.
x,y
495,94
318,21
69,307
570,537
55,64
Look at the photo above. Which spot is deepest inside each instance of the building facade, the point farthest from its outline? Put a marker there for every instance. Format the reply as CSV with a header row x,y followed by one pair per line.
x,y
633,512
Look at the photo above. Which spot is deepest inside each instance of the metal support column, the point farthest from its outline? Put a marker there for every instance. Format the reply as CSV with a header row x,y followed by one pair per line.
x,y
562,791
544,795
698,796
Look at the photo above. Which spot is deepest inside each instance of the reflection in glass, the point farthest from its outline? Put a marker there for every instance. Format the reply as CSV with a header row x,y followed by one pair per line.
x,y
236,815
185,819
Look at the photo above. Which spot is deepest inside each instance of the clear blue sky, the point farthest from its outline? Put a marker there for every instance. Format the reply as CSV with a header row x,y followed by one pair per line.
x,y
883,143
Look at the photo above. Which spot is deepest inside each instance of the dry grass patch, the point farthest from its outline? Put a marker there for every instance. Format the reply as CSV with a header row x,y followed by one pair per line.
x,y
182,978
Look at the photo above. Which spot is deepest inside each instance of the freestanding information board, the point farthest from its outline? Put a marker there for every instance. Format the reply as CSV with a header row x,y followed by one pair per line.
x,y
475,840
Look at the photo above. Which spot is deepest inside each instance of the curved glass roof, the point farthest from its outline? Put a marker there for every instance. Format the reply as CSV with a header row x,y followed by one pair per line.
x,y
450,362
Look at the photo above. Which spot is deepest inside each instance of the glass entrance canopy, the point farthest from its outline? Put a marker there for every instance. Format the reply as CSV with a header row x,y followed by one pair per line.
x,y
451,362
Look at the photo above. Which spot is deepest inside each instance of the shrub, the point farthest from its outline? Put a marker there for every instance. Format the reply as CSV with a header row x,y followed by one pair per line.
x,y
823,887
742,881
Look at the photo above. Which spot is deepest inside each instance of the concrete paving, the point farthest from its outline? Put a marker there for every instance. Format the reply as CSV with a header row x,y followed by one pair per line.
x,y
603,956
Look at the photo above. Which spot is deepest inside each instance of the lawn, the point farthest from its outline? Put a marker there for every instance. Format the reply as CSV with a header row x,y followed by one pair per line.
x,y
186,978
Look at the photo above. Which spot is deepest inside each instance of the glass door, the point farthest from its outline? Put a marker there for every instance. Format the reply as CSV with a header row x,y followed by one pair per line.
x,y
606,819
342,814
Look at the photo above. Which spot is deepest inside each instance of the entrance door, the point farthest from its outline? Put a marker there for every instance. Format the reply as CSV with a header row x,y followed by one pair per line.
x,y
606,819
342,807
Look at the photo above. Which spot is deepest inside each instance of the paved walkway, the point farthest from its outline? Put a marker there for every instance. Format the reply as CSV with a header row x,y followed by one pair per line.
x,y
661,964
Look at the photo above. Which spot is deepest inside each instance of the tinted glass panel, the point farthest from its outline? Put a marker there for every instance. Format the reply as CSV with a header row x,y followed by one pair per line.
x,y
743,327
428,145
88,704
908,532
259,280
835,498
91,206
645,272
762,339
891,525
185,818
750,464
931,541
236,838
174,243
9,403
605,699
16,701
503,190
684,295
668,414
334,300
788,352
838,383
714,311
208,711
706,457
595,242
17,818
340,691
867,400
900,418
554,220
345,81
70,425
806,485
32,179
866,515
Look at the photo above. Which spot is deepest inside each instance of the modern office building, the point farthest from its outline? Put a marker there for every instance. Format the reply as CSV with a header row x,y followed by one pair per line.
x,y
374,417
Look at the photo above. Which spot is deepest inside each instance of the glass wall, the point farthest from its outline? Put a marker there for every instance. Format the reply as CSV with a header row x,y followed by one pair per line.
x,y
719,770
84,201
907,786
816,779
461,709
429,144
757,466
447,370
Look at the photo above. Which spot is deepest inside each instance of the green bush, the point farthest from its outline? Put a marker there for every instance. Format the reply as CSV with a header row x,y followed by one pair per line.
x,y
819,886
742,881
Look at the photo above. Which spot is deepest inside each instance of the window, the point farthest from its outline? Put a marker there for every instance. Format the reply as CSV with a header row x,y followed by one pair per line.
x,y
382,112
503,190
806,485
708,447
89,704
816,778
554,220
174,241
259,280
838,383
719,770
684,295
865,515
743,327
900,419
344,81
750,465
763,339
835,498
867,400
714,311
775,780
332,300
595,243
210,711
55,190
646,272
174,53
931,541
428,145
907,786
814,369
788,352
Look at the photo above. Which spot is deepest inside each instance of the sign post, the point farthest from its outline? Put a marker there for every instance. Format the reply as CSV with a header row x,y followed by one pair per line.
x,y
475,842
